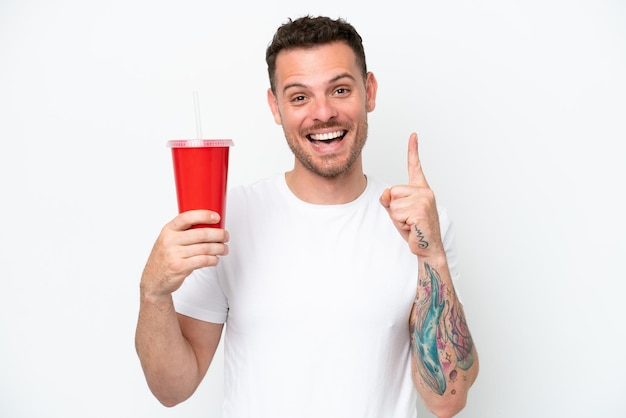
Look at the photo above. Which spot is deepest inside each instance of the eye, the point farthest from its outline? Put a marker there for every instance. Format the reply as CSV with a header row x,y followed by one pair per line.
x,y
342,91
298,99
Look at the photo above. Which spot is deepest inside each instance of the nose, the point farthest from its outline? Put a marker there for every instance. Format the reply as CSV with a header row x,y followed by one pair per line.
x,y
323,109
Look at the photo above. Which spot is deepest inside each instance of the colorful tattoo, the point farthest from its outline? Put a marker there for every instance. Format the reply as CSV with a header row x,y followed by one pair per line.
x,y
441,339
459,337
429,312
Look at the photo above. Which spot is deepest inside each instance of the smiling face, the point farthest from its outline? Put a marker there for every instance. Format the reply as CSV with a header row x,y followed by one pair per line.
x,y
322,102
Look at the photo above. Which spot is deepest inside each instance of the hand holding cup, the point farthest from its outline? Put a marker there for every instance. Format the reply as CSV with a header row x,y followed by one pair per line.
x,y
180,249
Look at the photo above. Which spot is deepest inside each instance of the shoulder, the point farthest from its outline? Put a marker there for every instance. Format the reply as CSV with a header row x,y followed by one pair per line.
x,y
265,184
257,199
261,190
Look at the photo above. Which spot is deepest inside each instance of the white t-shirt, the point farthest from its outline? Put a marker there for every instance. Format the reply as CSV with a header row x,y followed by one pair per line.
x,y
316,301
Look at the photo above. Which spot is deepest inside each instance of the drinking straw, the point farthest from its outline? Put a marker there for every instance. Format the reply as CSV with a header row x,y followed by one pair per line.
x,y
196,105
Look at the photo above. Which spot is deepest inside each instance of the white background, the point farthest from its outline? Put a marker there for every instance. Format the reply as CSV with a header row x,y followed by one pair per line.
x,y
520,107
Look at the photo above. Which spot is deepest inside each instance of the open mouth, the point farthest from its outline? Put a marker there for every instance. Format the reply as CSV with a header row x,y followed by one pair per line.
x,y
327,138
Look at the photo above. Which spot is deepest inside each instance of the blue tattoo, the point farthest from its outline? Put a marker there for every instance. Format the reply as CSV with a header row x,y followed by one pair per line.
x,y
425,336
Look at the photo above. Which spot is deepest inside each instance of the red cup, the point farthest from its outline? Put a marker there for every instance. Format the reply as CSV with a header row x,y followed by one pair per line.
x,y
201,175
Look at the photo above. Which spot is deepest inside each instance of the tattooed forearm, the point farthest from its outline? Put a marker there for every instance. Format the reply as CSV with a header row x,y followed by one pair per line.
x,y
441,340
429,311
420,237
458,336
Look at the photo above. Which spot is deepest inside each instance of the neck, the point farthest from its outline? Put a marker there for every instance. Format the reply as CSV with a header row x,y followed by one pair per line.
x,y
319,190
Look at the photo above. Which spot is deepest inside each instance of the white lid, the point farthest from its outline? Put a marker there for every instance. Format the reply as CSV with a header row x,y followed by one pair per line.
x,y
199,143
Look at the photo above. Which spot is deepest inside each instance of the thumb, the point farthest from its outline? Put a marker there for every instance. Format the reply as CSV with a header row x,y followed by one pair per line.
x,y
385,198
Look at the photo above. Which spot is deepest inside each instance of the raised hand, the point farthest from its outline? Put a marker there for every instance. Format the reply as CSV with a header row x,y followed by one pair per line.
x,y
413,209
180,249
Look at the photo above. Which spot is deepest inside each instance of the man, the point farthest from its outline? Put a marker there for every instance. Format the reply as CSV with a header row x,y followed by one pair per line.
x,y
329,312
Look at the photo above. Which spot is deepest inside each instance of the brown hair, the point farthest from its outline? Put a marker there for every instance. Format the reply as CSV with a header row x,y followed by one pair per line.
x,y
307,32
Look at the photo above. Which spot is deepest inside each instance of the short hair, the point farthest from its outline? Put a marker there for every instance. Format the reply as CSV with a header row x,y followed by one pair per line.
x,y
307,32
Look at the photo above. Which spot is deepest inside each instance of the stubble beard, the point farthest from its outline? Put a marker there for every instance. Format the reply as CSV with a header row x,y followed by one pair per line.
x,y
329,166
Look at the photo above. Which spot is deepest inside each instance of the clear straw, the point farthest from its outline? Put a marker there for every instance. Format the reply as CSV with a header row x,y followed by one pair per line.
x,y
196,105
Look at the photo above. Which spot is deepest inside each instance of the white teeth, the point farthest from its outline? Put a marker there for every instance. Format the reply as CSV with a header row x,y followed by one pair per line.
x,y
326,136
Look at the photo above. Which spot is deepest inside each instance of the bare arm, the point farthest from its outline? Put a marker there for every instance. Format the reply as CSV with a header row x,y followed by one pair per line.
x,y
176,351
444,359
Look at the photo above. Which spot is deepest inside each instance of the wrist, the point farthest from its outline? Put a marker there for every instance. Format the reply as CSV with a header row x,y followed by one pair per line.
x,y
435,258
152,297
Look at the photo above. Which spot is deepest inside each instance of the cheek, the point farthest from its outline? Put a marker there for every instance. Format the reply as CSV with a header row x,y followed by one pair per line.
x,y
290,119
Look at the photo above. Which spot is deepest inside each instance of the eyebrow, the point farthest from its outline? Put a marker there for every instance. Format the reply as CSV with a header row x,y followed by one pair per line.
x,y
332,80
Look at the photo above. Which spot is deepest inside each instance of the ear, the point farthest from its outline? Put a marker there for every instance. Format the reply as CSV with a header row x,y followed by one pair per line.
x,y
371,86
271,100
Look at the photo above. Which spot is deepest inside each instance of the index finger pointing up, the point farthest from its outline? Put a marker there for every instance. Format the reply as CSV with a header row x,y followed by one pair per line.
x,y
416,175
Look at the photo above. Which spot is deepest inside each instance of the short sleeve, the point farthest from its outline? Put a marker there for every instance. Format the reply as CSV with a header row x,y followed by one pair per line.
x,y
201,297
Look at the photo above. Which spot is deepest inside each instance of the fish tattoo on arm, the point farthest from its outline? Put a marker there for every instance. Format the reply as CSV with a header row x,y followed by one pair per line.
x,y
441,341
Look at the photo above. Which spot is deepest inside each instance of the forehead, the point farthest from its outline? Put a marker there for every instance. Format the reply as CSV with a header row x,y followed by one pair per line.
x,y
316,64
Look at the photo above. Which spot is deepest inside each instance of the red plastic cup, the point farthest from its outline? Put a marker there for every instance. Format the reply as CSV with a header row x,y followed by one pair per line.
x,y
201,175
